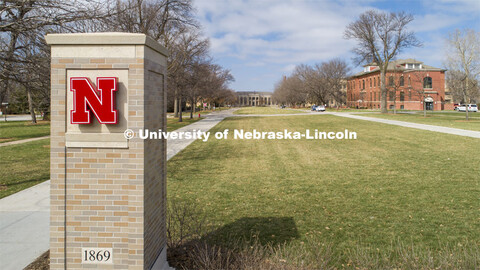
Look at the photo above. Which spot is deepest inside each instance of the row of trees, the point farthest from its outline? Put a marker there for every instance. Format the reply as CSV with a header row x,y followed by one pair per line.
x,y
25,57
318,84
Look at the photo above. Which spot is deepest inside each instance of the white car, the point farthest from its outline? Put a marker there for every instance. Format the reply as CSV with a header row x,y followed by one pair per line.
x,y
471,108
320,108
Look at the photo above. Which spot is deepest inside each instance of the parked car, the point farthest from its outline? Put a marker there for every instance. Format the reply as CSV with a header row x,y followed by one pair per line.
x,y
320,108
471,108
314,107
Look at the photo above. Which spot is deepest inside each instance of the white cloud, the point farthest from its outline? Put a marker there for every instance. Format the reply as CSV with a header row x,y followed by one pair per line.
x,y
277,31
272,36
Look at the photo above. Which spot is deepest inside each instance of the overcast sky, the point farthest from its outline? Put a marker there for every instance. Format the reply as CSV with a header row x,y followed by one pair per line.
x,y
261,40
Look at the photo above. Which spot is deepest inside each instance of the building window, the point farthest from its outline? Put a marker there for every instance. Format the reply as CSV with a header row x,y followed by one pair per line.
x,y
390,81
375,96
391,95
409,81
402,81
402,96
363,84
409,94
370,82
427,82
402,107
374,82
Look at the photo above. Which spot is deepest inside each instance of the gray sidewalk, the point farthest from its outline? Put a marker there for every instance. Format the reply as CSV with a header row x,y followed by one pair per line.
x,y
24,141
175,146
447,130
18,117
24,226
24,216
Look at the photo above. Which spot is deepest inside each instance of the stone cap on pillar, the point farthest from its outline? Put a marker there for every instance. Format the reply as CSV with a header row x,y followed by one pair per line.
x,y
106,38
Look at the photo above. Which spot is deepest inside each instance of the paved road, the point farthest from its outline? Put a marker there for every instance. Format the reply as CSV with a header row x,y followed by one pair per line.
x,y
24,216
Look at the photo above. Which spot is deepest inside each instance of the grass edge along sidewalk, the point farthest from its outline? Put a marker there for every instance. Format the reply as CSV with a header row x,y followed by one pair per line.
x,y
20,130
25,165
265,110
445,119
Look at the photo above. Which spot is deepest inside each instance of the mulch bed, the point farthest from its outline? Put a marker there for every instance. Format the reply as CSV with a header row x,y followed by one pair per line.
x,y
41,263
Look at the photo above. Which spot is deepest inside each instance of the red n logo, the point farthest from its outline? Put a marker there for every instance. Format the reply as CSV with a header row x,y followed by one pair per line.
x,y
102,106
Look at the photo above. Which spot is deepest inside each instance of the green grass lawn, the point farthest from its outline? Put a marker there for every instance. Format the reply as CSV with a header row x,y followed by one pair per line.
x,y
173,124
19,130
446,119
391,185
23,165
265,110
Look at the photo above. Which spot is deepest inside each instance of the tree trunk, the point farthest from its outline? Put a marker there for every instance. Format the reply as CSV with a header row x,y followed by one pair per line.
x,y
466,99
180,114
46,116
383,90
30,106
191,109
424,106
175,104
395,102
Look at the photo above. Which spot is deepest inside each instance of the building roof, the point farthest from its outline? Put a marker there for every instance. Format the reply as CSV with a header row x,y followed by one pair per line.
x,y
399,65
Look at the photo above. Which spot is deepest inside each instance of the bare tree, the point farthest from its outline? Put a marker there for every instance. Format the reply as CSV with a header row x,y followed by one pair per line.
x,y
188,48
22,25
381,36
334,74
455,80
290,91
170,22
159,19
319,84
312,83
463,60
395,84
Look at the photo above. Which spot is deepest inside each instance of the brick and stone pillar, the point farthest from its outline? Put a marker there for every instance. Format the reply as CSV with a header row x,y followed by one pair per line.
x,y
108,193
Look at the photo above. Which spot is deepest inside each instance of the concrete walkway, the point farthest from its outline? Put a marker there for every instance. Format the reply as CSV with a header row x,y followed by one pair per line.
x,y
24,226
447,130
18,117
212,119
24,141
24,216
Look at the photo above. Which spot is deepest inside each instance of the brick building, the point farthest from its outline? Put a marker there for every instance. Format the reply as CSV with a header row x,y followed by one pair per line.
x,y
409,83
